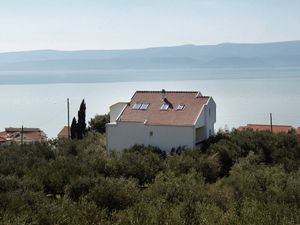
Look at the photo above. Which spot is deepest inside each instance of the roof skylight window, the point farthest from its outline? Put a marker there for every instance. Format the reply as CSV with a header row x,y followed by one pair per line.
x,y
180,107
144,106
164,107
137,106
141,106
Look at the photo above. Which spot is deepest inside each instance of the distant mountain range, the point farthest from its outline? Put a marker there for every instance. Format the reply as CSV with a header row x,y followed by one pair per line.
x,y
226,55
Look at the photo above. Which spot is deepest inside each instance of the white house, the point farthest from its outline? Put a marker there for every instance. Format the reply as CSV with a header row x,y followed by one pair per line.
x,y
164,119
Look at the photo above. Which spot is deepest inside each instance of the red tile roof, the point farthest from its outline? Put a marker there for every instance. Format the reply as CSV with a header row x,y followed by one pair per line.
x,y
263,127
25,129
193,102
63,133
298,130
2,139
35,134
2,134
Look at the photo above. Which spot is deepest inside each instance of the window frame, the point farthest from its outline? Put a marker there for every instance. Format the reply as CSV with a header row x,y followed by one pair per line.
x,y
137,106
180,107
145,105
163,108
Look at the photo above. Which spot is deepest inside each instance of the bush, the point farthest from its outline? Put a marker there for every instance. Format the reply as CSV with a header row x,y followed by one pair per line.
x,y
114,193
236,178
98,123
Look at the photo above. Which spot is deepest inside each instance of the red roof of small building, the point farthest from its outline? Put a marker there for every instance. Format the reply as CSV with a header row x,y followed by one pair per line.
x,y
34,134
25,129
193,103
2,139
263,127
3,134
64,132
298,130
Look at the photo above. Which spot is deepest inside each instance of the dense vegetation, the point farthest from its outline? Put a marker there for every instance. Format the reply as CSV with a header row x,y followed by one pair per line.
x,y
236,178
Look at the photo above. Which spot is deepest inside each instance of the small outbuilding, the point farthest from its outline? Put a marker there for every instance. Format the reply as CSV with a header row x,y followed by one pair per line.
x,y
164,119
22,135
268,127
64,133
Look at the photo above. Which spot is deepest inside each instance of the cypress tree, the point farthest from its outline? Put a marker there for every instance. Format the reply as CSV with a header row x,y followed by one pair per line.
x,y
74,130
81,126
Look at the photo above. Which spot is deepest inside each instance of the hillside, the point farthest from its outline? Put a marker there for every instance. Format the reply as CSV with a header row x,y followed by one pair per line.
x,y
236,178
227,55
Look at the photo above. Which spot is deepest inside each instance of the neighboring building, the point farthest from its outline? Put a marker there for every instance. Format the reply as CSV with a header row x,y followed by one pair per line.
x,y
263,127
3,136
2,140
64,133
298,130
162,119
16,135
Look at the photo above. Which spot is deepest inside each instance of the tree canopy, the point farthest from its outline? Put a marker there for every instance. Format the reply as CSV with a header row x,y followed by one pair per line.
x,y
98,123
81,125
74,129
78,128
236,178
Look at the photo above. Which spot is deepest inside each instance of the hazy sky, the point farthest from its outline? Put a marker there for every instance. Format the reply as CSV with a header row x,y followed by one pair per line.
x,y
119,24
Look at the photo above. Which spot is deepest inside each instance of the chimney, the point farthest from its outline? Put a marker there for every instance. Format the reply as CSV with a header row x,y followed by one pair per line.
x,y
163,94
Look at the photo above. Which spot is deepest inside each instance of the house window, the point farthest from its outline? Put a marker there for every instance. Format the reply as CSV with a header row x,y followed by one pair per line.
x,y
151,133
137,106
209,132
164,107
180,107
144,106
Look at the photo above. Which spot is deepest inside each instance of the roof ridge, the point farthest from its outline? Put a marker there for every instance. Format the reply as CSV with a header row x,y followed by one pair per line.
x,y
21,128
255,124
167,91
28,129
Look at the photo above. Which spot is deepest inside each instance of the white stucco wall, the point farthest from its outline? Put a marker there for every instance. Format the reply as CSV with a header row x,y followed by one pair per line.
x,y
207,118
122,135
201,134
210,116
115,110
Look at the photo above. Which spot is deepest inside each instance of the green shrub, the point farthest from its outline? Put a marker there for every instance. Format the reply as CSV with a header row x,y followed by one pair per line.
x,y
235,178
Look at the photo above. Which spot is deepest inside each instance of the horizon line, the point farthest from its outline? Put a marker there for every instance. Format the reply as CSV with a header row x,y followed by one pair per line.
x,y
151,47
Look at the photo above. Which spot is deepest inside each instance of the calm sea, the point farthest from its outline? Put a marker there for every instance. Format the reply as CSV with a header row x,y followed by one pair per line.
x,y
239,101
